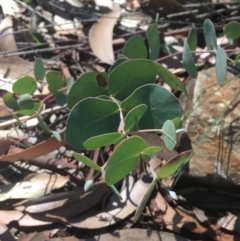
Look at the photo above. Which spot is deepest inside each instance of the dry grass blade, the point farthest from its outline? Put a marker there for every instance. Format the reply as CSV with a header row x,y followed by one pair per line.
x,y
100,36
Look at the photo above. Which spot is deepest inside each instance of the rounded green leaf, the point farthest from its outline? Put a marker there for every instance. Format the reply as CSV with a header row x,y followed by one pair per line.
x,y
88,162
117,62
174,164
103,140
151,150
91,117
161,105
10,101
169,134
61,97
177,123
25,102
209,34
55,81
86,86
188,61
124,159
32,111
221,66
39,70
129,75
144,200
192,38
153,41
232,30
135,48
25,85
169,78
133,117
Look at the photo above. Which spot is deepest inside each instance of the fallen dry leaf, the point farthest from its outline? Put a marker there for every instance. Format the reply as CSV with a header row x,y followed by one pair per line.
x,y
139,235
115,210
100,36
7,40
32,186
40,149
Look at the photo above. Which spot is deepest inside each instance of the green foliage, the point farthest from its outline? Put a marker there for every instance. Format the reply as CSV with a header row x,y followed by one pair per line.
x,y
221,66
135,48
188,61
169,134
129,75
174,164
209,35
192,38
25,85
153,41
232,30
39,70
110,108
55,81
91,117
124,159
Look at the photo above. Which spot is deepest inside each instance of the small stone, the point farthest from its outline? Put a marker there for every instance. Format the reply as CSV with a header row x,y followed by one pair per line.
x,y
53,118
32,140
69,153
62,149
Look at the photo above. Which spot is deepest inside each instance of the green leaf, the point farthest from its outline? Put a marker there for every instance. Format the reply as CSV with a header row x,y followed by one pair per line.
x,y
43,124
10,101
192,38
103,140
61,98
174,164
46,128
55,81
39,70
56,135
29,112
153,41
25,102
151,150
161,105
237,61
21,123
25,85
88,162
177,123
169,134
128,76
88,184
124,159
117,62
116,192
188,61
170,79
135,48
232,30
86,86
221,66
144,200
91,117
69,83
209,35
133,117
